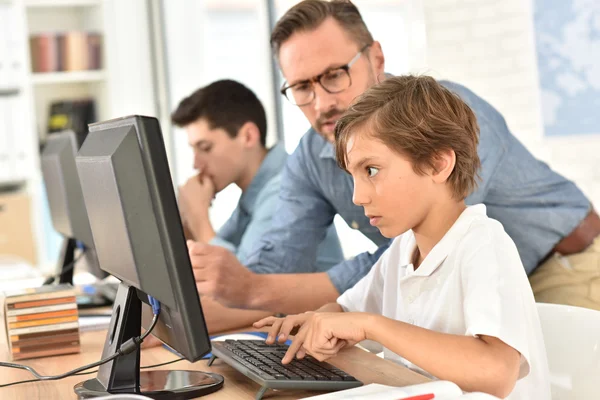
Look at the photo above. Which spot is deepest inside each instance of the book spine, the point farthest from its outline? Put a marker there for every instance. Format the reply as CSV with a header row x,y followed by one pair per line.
x,y
46,353
14,333
45,346
47,339
40,322
38,310
50,298
44,335
45,315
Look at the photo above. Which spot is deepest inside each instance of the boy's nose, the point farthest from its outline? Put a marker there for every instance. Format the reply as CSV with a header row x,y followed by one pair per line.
x,y
360,197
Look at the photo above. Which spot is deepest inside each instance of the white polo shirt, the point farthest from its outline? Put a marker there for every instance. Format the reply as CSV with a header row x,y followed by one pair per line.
x,y
471,283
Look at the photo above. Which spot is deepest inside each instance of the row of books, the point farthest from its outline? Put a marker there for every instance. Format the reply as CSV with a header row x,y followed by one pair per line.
x,y
69,51
42,321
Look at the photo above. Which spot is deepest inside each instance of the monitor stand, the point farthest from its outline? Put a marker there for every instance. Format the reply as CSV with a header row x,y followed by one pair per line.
x,y
123,375
64,274
65,267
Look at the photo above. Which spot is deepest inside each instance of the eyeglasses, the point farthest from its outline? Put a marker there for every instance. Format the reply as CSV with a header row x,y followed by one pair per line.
x,y
333,80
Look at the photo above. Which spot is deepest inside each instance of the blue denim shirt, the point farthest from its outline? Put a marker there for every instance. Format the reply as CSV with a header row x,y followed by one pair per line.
x,y
252,216
537,206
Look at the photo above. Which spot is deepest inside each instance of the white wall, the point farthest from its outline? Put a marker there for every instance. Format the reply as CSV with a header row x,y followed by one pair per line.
x,y
489,46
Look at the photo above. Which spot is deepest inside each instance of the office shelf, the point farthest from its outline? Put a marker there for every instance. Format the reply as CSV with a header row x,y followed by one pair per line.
x,y
50,78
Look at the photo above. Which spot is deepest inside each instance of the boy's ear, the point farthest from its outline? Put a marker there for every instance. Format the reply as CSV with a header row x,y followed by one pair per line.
x,y
443,165
249,134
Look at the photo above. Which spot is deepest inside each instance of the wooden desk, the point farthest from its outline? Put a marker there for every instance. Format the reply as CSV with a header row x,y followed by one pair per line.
x,y
364,366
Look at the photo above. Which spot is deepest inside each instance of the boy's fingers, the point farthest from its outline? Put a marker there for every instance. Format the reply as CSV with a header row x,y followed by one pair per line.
x,y
264,322
294,348
274,331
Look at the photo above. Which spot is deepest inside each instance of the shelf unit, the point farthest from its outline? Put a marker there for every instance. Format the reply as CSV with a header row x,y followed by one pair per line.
x,y
32,94
124,85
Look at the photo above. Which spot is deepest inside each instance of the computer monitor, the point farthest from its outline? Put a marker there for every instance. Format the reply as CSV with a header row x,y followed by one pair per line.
x,y
67,209
139,239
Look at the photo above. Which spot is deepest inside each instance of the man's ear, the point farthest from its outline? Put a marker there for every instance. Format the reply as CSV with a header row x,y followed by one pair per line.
x,y
377,59
249,134
443,165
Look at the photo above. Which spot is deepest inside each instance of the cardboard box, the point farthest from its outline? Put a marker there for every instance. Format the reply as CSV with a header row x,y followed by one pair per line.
x,y
16,234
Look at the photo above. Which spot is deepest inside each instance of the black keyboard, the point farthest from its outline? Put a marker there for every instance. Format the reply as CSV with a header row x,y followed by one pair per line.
x,y
261,362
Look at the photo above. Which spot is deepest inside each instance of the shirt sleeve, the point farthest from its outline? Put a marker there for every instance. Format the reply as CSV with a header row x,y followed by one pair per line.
x,y
300,219
262,216
367,294
498,301
228,236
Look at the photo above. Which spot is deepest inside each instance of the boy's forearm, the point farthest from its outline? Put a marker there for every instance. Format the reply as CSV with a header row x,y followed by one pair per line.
x,y
469,362
292,293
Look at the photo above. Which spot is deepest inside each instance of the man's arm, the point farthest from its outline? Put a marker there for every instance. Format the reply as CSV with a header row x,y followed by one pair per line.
x,y
219,318
292,293
300,216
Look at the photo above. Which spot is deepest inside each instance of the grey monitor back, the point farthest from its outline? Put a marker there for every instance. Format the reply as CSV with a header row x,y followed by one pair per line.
x,y
135,223
67,209
65,198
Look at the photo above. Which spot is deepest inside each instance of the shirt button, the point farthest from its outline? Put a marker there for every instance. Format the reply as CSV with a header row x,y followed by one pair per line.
x,y
354,225
411,299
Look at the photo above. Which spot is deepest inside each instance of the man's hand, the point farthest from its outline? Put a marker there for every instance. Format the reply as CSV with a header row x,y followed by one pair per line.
x,y
195,197
323,335
220,275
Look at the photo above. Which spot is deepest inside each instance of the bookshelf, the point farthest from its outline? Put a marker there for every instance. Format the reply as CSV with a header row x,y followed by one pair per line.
x,y
122,84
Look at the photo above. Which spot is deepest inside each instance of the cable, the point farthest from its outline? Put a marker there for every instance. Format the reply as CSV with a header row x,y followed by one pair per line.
x,y
65,269
95,371
126,348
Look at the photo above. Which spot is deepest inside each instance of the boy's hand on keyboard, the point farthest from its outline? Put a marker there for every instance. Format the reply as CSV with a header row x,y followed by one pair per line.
x,y
323,335
281,328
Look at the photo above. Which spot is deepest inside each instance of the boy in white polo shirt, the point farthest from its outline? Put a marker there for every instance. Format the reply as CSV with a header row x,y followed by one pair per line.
x,y
450,297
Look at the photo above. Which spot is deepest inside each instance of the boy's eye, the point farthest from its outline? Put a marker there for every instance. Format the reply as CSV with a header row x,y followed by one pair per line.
x,y
372,171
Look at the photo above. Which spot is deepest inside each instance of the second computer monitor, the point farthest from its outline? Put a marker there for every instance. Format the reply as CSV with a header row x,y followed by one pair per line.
x,y
67,208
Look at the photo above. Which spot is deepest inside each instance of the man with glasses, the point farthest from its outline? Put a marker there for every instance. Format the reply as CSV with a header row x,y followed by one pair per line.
x,y
328,57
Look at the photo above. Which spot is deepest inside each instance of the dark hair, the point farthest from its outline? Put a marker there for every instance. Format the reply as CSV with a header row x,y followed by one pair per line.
x,y
309,14
225,104
416,117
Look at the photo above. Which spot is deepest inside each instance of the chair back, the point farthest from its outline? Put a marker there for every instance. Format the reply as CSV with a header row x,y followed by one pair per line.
x,y
572,339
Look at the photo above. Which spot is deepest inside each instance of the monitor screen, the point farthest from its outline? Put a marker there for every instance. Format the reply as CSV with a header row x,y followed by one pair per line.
x,y
136,229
